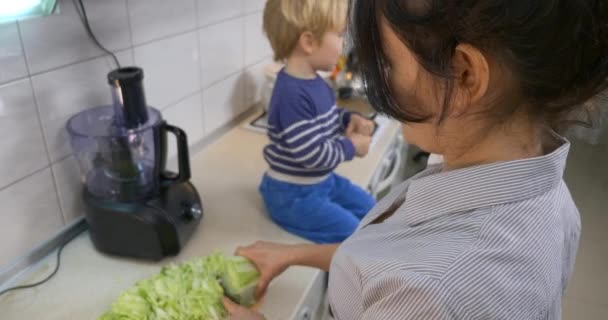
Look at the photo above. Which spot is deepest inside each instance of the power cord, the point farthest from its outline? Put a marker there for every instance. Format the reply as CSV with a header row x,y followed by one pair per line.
x,y
82,12
27,286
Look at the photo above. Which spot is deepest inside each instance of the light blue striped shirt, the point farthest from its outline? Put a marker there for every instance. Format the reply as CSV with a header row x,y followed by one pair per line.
x,y
494,241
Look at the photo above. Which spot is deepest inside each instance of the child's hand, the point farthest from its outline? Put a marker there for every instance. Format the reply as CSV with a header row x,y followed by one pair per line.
x,y
361,144
360,125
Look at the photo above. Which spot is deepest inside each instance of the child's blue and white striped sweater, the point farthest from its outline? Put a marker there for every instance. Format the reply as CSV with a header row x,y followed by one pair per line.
x,y
306,131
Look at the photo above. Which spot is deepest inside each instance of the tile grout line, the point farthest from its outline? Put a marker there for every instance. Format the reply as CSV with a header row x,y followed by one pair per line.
x,y
29,175
25,59
128,11
9,82
200,67
58,195
223,78
187,96
106,56
183,32
27,63
102,56
42,132
243,14
34,172
222,20
48,154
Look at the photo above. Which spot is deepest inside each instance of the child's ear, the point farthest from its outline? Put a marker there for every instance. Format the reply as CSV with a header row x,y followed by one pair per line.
x,y
307,42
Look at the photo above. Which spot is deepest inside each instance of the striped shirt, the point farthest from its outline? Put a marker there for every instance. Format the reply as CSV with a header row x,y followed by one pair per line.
x,y
495,241
306,130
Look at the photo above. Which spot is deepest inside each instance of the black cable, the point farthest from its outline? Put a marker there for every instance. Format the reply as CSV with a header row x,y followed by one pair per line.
x,y
82,12
27,286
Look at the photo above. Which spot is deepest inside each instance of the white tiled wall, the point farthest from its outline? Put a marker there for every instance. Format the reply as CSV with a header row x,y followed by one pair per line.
x,y
256,44
222,101
213,11
222,56
254,5
171,68
202,61
30,213
155,19
21,142
60,40
12,59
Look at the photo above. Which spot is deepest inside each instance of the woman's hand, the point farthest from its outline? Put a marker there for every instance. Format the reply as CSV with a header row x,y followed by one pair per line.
x,y
271,259
238,312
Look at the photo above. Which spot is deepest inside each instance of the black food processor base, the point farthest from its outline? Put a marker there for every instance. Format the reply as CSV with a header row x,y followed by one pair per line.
x,y
149,229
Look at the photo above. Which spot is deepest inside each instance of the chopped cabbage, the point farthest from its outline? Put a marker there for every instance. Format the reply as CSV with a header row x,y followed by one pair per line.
x,y
189,291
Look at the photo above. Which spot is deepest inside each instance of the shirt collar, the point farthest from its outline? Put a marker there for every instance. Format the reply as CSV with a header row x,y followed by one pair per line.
x,y
433,193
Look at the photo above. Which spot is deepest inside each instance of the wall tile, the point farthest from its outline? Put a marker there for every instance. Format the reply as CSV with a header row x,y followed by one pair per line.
x,y
155,19
221,50
187,115
61,39
171,68
256,43
212,11
24,223
223,102
12,59
21,141
254,5
64,92
255,81
69,188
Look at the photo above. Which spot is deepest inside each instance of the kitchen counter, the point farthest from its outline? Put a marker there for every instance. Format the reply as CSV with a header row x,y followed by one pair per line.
x,y
226,174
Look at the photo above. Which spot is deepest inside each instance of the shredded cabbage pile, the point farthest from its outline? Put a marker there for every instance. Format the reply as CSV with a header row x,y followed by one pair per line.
x,y
189,291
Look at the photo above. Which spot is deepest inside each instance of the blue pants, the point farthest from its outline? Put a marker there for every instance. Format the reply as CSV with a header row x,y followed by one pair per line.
x,y
328,212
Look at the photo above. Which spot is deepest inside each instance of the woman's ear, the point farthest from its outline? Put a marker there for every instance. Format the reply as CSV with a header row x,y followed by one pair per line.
x,y
307,42
471,76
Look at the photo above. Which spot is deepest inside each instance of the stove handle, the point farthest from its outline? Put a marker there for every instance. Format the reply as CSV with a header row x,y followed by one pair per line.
x,y
183,157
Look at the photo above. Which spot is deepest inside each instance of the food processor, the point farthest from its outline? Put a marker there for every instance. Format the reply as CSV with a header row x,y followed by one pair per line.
x,y
133,205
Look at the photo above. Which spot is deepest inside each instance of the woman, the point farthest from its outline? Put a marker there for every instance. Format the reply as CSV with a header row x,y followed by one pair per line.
x,y
492,232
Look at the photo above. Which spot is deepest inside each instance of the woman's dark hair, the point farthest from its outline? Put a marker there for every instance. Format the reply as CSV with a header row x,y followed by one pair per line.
x,y
557,50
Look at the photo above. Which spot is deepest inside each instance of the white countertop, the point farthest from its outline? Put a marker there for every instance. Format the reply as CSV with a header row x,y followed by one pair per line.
x,y
226,174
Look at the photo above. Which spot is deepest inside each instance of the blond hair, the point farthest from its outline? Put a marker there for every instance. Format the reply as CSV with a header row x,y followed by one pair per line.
x,y
286,20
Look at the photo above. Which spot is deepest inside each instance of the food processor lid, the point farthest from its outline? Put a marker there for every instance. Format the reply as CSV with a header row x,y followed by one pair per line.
x,y
101,122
